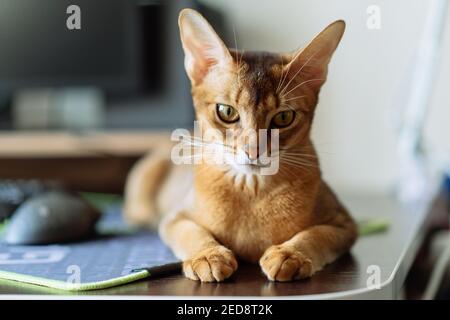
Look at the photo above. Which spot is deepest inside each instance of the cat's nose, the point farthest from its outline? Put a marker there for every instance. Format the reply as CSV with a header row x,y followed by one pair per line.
x,y
252,152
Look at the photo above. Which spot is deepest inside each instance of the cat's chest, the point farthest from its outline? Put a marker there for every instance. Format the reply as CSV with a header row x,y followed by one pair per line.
x,y
249,225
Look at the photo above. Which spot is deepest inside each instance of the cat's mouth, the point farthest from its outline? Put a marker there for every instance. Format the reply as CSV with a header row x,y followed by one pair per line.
x,y
258,165
249,168
243,165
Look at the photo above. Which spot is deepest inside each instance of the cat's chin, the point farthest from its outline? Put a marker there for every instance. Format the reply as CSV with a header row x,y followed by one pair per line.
x,y
247,169
245,175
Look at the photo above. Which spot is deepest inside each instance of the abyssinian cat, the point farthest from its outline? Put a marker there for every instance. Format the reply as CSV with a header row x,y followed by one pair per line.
x,y
213,214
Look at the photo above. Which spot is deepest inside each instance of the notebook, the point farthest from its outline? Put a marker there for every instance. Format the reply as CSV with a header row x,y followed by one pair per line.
x,y
119,254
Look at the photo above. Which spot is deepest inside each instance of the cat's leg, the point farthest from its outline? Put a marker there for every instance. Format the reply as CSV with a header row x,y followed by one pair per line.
x,y
203,257
141,188
309,250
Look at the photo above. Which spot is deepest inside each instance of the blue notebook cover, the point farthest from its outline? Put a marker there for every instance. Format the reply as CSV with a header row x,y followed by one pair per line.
x,y
117,255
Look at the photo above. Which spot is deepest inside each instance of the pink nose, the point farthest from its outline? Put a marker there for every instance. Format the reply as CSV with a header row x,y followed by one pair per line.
x,y
252,153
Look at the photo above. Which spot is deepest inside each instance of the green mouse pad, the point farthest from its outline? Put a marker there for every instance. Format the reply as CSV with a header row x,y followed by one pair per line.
x,y
116,256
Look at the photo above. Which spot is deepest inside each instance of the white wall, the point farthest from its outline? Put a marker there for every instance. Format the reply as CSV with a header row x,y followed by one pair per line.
x,y
353,127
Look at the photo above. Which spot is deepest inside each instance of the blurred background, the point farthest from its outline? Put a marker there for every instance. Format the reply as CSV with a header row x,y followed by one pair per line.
x,y
123,70
355,126
88,87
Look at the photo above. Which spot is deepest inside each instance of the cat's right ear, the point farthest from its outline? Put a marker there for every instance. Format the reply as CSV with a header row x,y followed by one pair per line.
x,y
203,48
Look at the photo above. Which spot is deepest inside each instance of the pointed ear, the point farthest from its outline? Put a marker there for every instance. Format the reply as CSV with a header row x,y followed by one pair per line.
x,y
202,46
311,62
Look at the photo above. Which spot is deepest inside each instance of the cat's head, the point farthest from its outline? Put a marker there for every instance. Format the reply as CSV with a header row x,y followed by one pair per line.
x,y
249,91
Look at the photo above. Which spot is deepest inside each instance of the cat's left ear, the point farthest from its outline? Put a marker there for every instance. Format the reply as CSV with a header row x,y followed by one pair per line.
x,y
203,48
311,62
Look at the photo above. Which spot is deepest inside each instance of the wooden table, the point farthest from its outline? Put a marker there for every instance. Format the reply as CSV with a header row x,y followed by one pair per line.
x,y
393,251
65,144
89,161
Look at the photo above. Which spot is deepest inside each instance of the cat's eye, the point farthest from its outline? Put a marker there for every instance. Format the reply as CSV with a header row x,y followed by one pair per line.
x,y
282,119
226,113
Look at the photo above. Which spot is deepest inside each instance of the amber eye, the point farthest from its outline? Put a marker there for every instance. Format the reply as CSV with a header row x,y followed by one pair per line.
x,y
282,119
226,113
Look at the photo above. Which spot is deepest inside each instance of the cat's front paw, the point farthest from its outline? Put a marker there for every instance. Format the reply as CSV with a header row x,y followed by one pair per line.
x,y
283,263
211,264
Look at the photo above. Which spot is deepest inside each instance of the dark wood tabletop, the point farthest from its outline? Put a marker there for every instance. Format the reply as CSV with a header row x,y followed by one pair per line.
x,y
392,251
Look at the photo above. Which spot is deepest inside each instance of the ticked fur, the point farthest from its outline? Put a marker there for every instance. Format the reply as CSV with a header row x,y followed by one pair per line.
x,y
290,222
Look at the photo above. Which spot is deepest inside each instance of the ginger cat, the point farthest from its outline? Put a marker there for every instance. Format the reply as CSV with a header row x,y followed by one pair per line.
x,y
291,221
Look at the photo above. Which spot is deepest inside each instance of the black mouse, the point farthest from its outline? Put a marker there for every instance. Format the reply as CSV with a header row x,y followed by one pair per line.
x,y
51,217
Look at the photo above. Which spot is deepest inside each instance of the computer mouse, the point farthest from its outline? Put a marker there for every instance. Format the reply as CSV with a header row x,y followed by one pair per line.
x,y
51,217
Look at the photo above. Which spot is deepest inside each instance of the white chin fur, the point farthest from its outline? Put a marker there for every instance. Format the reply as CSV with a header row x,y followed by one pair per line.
x,y
245,177
246,169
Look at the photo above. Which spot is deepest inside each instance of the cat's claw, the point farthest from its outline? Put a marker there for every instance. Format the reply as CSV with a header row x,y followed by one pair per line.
x,y
282,263
213,264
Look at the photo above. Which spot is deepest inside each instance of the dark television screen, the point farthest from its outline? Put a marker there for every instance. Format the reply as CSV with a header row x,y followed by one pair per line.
x,y
119,45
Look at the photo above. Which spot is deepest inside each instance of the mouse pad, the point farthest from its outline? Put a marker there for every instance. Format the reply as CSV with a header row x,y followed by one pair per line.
x,y
116,256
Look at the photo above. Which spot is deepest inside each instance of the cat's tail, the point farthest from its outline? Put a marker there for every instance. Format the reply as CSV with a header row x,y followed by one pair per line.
x,y
141,189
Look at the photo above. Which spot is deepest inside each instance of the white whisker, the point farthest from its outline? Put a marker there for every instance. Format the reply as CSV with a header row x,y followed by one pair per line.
x,y
295,75
299,85
289,68
294,98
